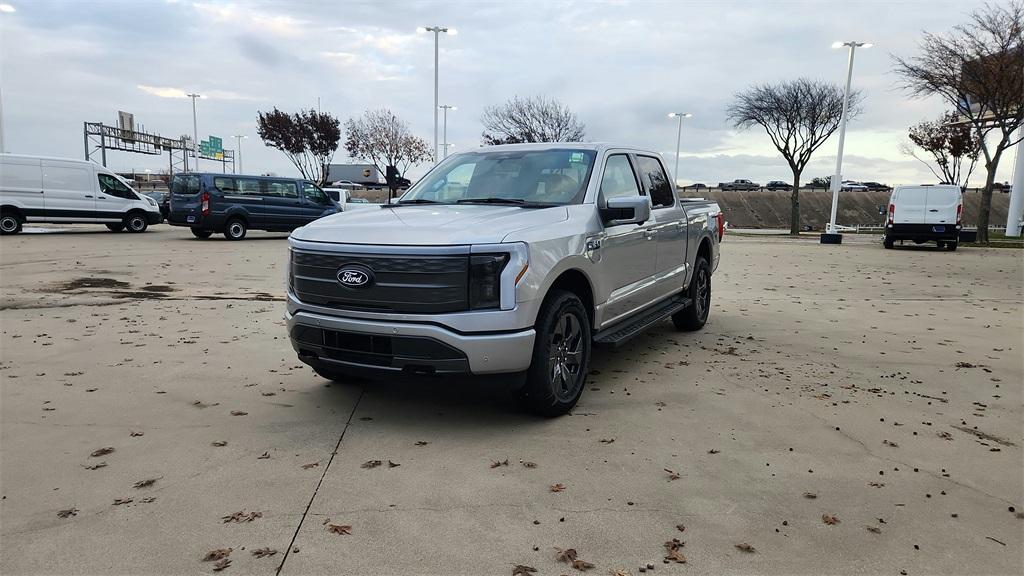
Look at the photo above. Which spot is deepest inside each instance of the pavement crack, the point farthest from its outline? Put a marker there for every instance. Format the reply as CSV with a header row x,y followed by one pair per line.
x,y
348,424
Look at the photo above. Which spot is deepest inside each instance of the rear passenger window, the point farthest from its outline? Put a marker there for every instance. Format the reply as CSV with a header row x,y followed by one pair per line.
x,y
185,184
618,179
248,187
282,188
656,182
225,185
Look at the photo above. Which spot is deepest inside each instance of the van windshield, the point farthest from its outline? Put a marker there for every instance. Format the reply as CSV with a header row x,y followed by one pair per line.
x,y
521,177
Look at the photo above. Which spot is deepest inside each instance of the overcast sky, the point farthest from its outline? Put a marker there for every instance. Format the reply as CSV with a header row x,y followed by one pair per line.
x,y
621,66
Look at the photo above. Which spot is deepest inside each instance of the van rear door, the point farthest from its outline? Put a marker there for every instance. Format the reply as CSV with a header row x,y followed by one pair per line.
x,y
911,205
71,191
21,184
942,203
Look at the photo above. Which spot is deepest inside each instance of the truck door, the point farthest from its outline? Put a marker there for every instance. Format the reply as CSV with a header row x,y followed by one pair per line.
x,y
941,205
911,204
669,225
282,206
314,202
627,250
114,199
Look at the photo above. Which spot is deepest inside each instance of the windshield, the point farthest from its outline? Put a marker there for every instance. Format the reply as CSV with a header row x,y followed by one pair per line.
x,y
537,177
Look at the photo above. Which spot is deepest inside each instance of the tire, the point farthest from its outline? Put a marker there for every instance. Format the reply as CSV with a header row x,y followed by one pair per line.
x,y
115,227
561,355
200,233
951,246
136,223
887,242
694,316
235,229
10,223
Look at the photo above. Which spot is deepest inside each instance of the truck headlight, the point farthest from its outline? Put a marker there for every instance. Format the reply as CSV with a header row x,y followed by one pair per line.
x,y
485,280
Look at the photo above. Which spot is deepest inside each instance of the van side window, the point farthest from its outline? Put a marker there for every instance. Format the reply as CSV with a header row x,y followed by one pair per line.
x,y
282,189
314,194
114,187
225,185
247,187
618,179
654,178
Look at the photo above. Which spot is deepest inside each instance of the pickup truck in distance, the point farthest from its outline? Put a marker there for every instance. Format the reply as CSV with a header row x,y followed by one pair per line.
x,y
738,185
512,259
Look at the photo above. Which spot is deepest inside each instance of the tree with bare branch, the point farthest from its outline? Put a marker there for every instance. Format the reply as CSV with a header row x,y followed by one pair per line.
x,y
978,68
798,116
951,143
379,137
536,119
308,138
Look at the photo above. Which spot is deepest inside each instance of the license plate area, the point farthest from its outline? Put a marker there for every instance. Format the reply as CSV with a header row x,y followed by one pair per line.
x,y
190,219
938,228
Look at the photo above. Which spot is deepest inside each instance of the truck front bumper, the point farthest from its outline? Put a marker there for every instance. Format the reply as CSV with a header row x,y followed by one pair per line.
x,y
391,347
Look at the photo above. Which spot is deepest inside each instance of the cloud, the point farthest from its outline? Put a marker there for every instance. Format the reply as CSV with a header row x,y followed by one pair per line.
x,y
163,91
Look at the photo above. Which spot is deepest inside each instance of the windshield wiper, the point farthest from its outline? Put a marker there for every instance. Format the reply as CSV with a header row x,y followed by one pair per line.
x,y
413,201
508,201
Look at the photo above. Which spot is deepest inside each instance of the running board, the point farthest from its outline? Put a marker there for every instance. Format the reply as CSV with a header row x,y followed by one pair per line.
x,y
624,331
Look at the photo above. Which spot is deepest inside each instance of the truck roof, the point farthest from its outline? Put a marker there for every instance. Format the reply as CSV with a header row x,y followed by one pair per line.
x,y
596,146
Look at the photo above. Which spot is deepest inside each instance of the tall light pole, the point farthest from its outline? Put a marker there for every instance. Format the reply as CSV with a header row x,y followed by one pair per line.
x,y
679,139
195,130
238,150
446,108
437,30
6,9
831,235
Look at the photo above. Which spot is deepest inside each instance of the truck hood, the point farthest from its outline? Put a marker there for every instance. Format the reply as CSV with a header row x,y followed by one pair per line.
x,y
429,225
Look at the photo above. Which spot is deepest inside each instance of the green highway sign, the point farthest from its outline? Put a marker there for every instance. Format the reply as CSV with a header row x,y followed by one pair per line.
x,y
212,148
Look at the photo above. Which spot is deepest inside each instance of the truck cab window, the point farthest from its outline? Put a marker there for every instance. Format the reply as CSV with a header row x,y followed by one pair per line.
x,y
618,179
656,182
114,187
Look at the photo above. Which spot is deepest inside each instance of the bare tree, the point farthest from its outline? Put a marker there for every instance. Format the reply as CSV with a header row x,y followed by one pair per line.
x,y
380,138
798,116
308,138
536,119
978,68
950,143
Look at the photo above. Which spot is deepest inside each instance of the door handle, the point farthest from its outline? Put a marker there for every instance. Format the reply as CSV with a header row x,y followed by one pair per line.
x,y
88,195
101,197
650,234
934,210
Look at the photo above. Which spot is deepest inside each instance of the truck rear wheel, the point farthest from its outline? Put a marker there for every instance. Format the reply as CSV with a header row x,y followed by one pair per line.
x,y
235,229
561,355
10,223
694,316
887,242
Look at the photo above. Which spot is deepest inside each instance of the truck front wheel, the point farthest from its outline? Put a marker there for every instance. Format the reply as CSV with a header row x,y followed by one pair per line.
x,y
694,316
561,355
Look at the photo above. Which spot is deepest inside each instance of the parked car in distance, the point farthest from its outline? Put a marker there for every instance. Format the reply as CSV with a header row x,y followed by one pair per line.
x,y
877,186
511,259
343,198
925,213
778,185
209,203
851,186
162,201
347,184
68,191
696,186
740,184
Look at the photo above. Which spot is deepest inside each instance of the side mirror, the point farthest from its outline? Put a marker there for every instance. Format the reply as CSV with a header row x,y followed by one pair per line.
x,y
626,210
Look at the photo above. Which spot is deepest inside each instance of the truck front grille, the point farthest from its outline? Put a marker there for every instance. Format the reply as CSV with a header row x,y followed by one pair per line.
x,y
410,284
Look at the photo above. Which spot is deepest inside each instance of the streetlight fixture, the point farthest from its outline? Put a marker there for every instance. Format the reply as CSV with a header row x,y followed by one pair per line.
x,y
832,235
195,130
238,150
437,30
679,137
446,108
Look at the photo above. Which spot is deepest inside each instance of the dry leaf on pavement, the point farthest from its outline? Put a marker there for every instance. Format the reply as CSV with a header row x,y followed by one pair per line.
x,y
829,519
672,553
745,548
67,513
672,475
145,483
557,487
582,565
219,443
242,516
310,465
810,495
102,451
497,463
528,464
567,555
521,570
222,564
119,501
874,529
370,464
238,413
264,552
339,529
217,554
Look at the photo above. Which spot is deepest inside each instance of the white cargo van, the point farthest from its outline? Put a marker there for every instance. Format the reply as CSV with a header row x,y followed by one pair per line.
x,y
63,190
925,213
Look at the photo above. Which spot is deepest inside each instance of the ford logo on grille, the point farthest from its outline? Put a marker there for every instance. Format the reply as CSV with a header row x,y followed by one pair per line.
x,y
355,276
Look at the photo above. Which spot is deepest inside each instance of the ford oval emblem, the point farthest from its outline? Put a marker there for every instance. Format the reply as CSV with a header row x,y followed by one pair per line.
x,y
355,276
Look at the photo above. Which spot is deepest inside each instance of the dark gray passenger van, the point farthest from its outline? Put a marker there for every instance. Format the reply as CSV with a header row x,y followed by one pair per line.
x,y
232,204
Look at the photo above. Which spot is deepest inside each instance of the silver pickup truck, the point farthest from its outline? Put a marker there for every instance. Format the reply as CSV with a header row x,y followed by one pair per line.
x,y
508,259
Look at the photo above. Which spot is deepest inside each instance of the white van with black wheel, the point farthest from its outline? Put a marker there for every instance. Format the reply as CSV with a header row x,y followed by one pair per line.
x,y
925,213
67,191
